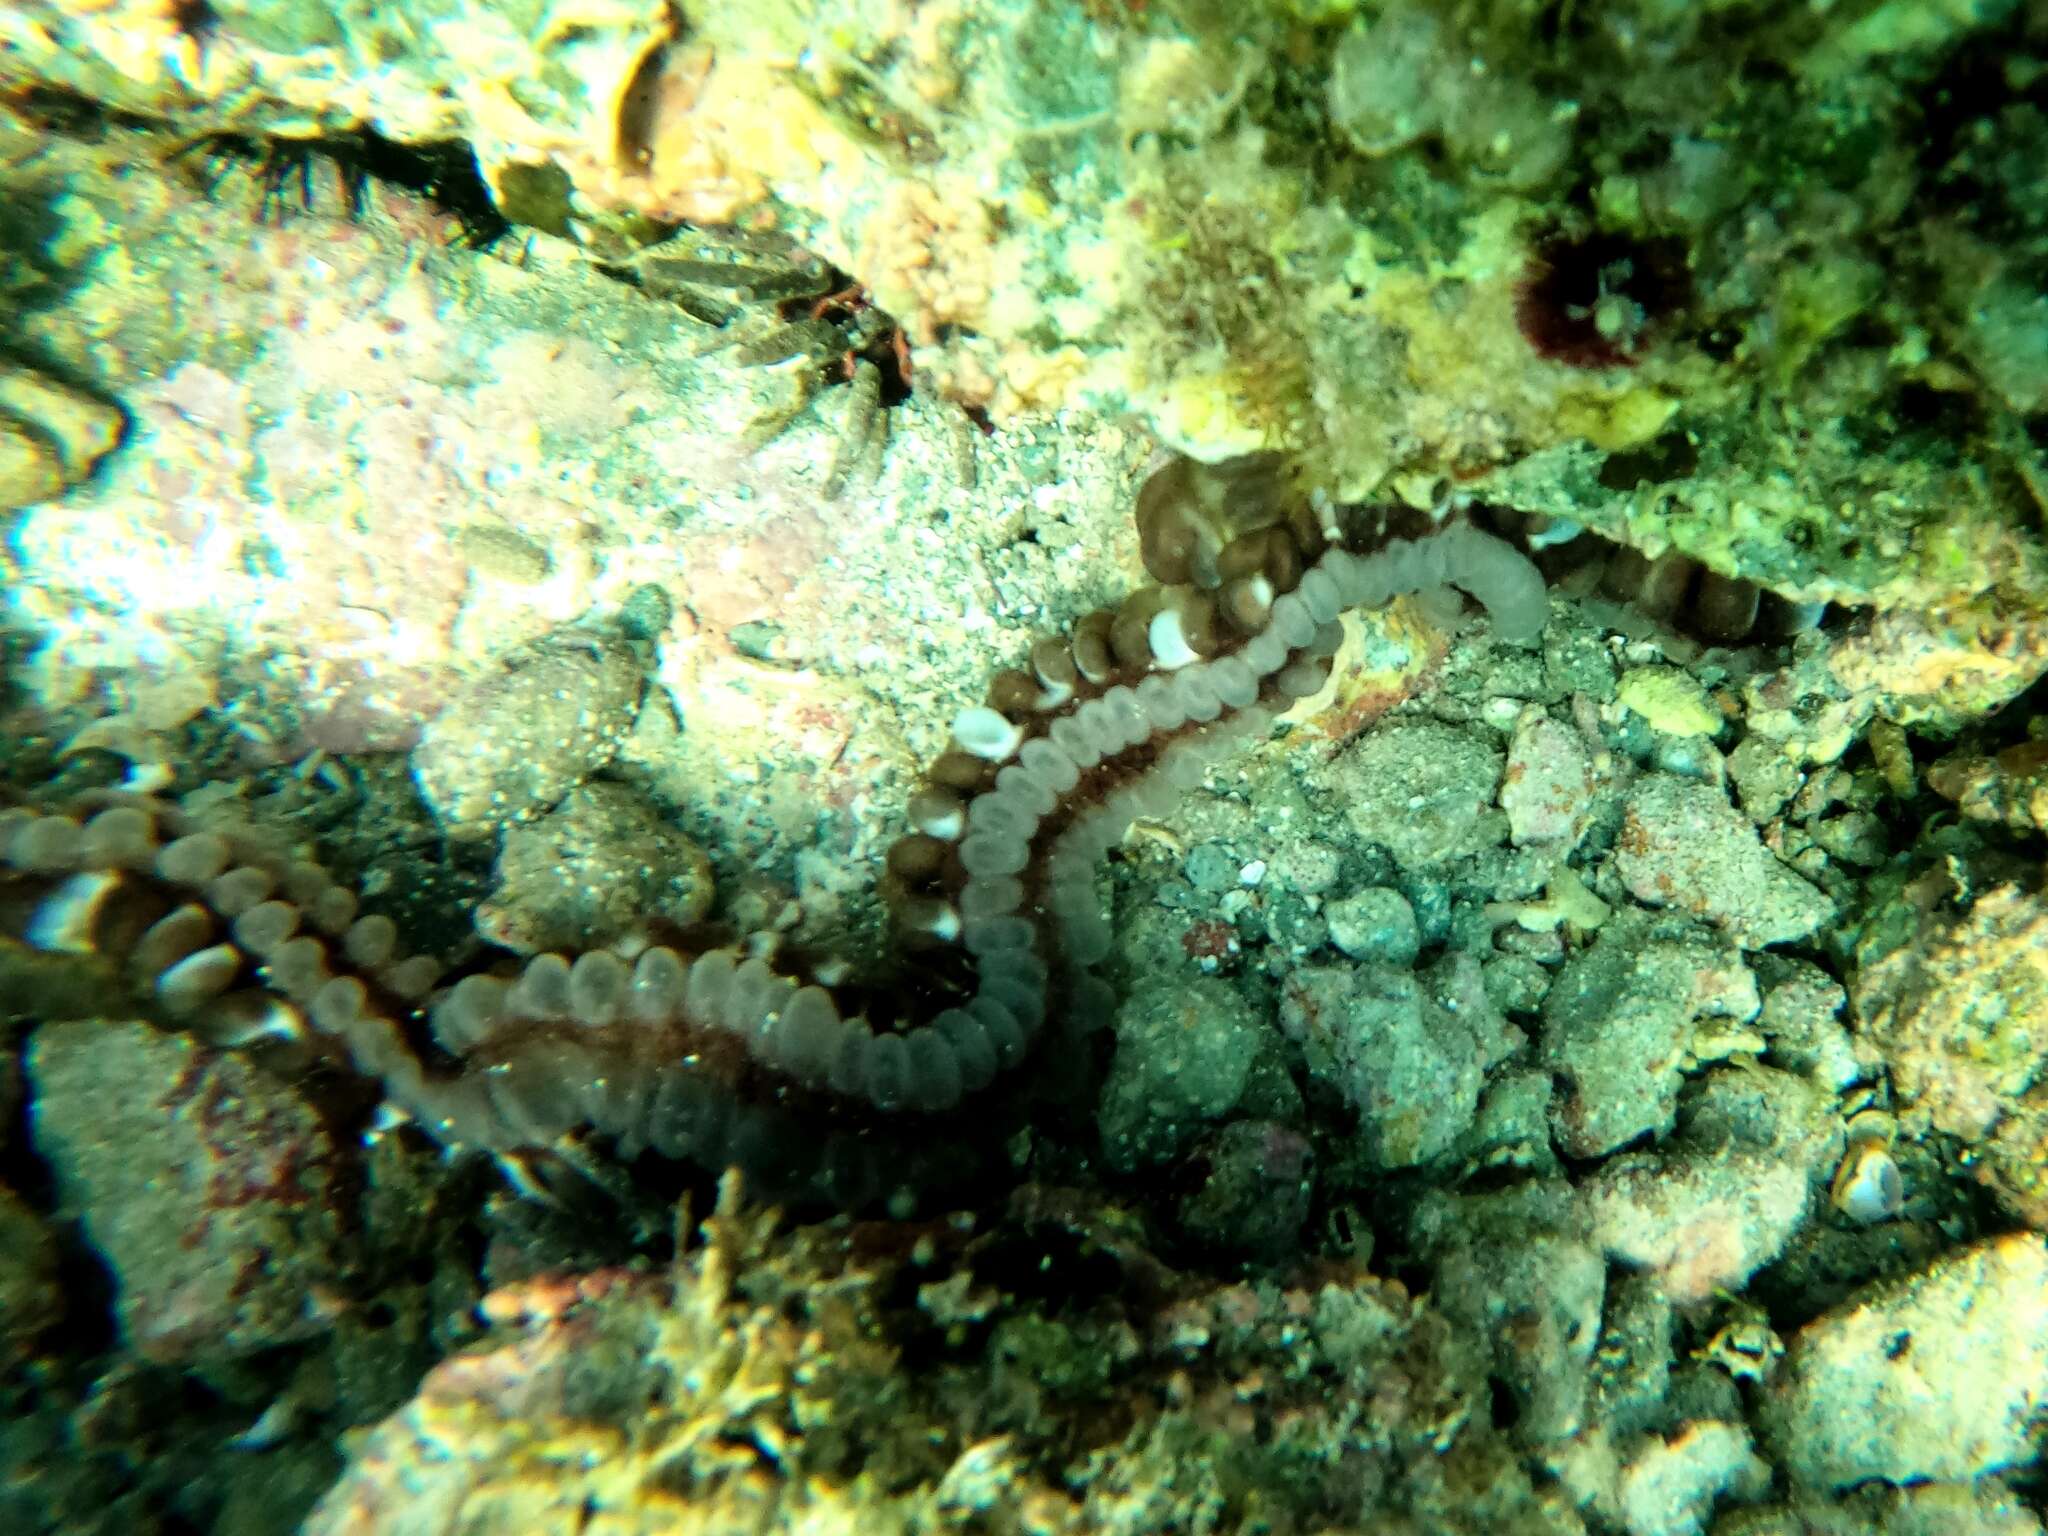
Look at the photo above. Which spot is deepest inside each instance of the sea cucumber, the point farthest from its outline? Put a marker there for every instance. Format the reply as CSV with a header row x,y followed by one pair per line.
x,y
739,1054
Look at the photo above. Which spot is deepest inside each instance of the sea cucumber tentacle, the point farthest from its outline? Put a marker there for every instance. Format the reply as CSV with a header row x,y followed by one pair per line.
x,y
675,1051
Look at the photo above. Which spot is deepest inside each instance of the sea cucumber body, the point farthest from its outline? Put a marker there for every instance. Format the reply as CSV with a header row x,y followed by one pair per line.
x,y
724,1056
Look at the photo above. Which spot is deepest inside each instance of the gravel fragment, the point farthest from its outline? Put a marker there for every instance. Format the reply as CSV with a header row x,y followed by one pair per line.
x,y
1511,1269
1957,1005
1702,1224
1766,778
1683,845
1632,1367
1547,791
1184,1057
1309,867
513,743
1409,1064
51,435
1855,837
1943,1375
1671,1485
1293,925
1574,661
1255,1196
1516,983
1617,1024
1512,1128
1801,1018
1423,790
1725,1198
1211,868
1375,924
591,871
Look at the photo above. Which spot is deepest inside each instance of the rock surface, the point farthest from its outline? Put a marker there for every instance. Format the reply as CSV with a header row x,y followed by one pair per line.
x,y
1683,845
208,1188
1941,1376
510,745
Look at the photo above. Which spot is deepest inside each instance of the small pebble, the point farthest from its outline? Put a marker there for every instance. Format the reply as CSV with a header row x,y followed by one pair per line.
x,y
1375,924
1211,867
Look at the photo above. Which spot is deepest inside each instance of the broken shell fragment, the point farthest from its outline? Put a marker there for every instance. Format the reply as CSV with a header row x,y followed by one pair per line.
x,y
1868,1187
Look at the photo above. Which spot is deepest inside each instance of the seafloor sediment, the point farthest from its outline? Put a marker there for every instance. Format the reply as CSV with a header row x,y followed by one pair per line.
x,y
1591,1081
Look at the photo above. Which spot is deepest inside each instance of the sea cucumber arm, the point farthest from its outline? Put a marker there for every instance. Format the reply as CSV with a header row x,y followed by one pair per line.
x,y
729,1054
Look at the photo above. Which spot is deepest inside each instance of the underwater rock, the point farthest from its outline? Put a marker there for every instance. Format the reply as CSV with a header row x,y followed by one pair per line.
x,y
31,1298
29,468
1705,1212
510,745
1956,1007
1932,671
1633,1363
527,89
1386,1042
1377,280
1514,1270
1421,789
1618,1024
591,871
354,447
1942,1375
1184,1058
209,1188
1396,80
1801,1018
51,435
2019,1157
1671,1485
1766,776
1547,788
1255,1192
1702,1224
837,1377
2009,788
1392,354
1683,845
1512,1128
1375,924
1986,1507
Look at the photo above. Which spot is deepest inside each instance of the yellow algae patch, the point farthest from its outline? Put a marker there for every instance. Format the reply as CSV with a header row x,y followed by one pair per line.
x,y
1624,422
1674,702
1206,413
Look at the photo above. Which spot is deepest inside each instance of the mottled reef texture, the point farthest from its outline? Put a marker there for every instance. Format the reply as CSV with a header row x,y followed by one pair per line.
x,y
1596,1084
1783,268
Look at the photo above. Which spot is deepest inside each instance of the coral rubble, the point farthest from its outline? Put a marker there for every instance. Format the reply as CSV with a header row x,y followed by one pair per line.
x,y
766,1382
